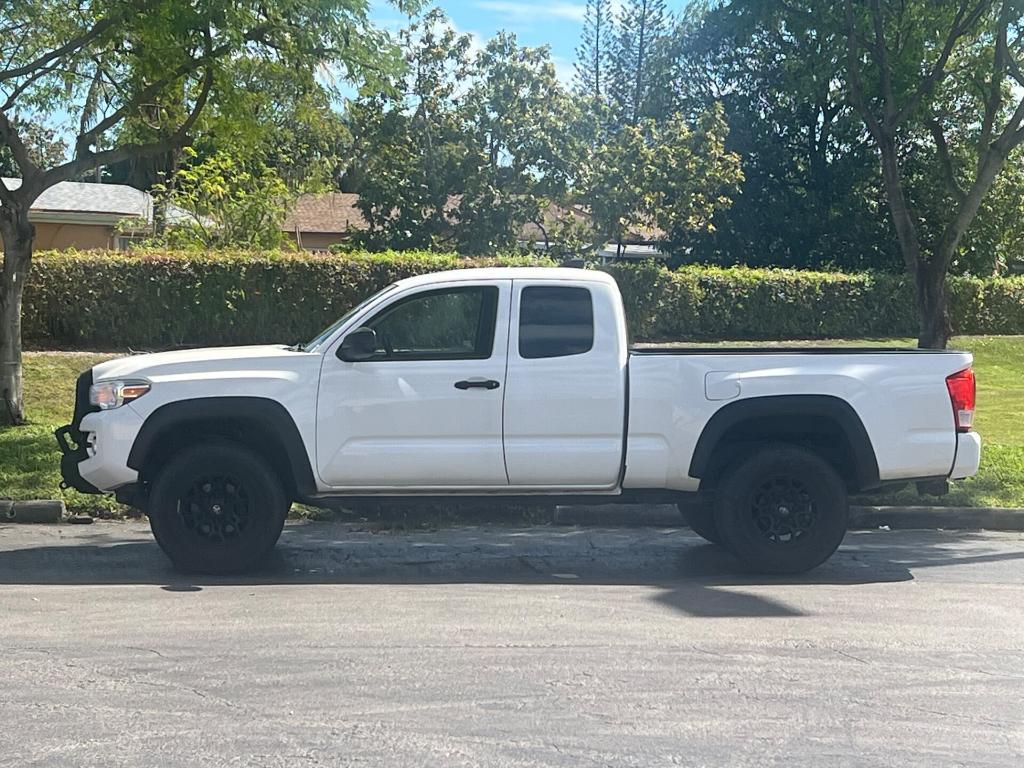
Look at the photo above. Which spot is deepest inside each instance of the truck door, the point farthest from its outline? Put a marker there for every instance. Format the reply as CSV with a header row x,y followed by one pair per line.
x,y
425,410
565,389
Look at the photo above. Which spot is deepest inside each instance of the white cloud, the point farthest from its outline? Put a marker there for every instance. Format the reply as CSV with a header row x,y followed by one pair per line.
x,y
520,10
476,40
565,70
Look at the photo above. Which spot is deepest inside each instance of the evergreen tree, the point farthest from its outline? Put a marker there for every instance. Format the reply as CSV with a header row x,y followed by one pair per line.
x,y
593,52
636,61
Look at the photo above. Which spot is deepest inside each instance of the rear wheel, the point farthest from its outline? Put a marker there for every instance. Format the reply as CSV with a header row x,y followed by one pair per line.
x,y
217,508
782,509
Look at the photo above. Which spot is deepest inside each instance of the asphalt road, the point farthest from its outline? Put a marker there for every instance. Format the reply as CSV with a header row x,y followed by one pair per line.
x,y
510,647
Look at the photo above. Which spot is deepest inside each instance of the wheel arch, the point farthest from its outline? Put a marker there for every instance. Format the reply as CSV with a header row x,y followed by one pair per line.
x,y
824,423
261,424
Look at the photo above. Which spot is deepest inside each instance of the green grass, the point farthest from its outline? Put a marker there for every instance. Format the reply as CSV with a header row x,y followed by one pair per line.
x,y
29,456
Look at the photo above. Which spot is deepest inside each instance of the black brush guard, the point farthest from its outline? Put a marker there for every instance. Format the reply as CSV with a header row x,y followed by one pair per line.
x,y
72,440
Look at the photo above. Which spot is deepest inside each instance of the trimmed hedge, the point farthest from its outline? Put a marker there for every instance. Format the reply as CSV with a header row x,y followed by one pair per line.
x,y
101,300
113,300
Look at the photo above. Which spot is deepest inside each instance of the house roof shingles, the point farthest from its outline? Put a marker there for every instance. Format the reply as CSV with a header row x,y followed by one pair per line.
x,y
81,197
331,212
337,213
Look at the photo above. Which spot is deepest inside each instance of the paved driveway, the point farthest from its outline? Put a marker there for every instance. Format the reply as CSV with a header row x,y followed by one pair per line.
x,y
490,646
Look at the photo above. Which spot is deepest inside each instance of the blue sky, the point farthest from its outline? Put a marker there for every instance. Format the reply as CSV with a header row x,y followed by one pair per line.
x,y
555,23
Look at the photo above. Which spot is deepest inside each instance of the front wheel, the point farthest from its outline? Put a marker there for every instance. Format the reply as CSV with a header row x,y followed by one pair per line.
x,y
217,508
782,509
700,516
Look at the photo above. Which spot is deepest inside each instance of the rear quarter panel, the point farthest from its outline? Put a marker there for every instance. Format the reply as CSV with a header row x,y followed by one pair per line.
x,y
901,399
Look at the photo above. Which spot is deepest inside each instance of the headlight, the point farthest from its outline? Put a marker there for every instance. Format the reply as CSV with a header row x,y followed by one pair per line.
x,y
114,394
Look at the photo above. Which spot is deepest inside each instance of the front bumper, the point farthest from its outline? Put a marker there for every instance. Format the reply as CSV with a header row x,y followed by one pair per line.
x,y
95,445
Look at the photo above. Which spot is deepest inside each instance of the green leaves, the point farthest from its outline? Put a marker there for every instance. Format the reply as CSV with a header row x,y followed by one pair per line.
x,y
664,176
133,77
464,149
219,203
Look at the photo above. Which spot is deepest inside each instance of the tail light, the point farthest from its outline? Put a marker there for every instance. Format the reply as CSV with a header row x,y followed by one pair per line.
x,y
961,395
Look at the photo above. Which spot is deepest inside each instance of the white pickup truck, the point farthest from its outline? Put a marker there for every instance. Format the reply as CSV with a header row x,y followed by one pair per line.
x,y
511,383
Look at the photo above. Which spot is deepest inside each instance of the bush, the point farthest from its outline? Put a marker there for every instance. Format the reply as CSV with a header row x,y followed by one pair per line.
x,y
710,303
102,300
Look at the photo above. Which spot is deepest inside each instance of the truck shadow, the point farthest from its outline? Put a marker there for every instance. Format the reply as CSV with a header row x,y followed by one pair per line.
x,y
694,577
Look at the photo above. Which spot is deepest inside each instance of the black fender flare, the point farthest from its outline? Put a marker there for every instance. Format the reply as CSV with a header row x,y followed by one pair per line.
x,y
269,416
827,407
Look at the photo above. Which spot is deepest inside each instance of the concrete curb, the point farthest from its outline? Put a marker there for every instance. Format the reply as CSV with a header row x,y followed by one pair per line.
x,y
42,511
666,515
989,518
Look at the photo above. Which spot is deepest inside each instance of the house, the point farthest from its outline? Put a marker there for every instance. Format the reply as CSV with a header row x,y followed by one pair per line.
x,y
75,214
638,244
85,216
318,221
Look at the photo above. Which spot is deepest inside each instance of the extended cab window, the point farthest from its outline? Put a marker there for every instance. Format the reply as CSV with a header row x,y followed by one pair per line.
x,y
446,324
555,321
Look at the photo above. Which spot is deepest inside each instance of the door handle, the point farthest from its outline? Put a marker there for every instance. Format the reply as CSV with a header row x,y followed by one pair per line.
x,y
477,384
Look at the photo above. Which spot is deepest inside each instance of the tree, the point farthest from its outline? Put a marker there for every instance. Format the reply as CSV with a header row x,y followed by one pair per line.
x,y
593,52
945,77
518,117
665,175
461,152
153,66
219,202
637,59
285,119
410,146
277,115
811,191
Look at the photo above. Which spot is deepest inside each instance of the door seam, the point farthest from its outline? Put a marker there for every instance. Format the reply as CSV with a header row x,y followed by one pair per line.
x,y
504,389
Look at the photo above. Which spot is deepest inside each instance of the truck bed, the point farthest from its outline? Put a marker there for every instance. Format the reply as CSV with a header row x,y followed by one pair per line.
x,y
899,394
643,349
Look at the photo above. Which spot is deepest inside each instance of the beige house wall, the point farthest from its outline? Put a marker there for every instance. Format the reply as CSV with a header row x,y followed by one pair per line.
x,y
319,241
50,235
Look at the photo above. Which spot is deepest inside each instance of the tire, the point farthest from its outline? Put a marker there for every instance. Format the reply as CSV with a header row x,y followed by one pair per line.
x,y
781,509
217,508
700,516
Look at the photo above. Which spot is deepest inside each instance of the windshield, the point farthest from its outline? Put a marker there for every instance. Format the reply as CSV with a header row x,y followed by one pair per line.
x,y
327,332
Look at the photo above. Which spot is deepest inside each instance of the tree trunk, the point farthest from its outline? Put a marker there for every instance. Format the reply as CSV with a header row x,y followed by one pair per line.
x,y
934,329
929,275
17,233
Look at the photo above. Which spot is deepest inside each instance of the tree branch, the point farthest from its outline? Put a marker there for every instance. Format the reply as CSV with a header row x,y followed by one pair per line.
x,y
962,24
945,160
1013,67
23,86
69,47
993,96
889,98
6,198
1012,134
10,137
86,139
853,67
91,160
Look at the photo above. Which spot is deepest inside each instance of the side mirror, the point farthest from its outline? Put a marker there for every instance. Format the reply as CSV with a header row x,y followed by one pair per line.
x,y
361,344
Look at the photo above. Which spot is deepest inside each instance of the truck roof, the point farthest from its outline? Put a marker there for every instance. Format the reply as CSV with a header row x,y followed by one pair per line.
x,y
509,273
